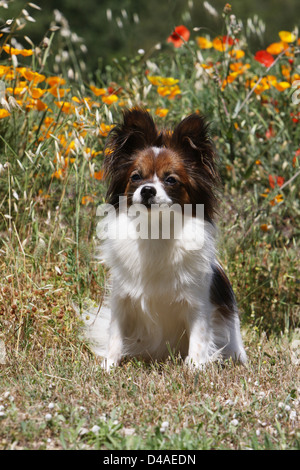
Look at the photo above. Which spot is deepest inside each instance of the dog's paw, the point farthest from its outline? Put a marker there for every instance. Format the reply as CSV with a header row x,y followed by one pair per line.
x,y
195,365
108,364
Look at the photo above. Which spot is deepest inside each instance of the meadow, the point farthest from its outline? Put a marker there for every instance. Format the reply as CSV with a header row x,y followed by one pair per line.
x,y
54,120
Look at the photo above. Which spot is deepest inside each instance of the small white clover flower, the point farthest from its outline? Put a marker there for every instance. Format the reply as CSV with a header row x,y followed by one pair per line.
x,y
164,426
95,429
234,422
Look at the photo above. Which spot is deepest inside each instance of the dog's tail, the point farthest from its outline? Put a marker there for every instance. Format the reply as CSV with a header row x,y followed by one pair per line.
x,y
95,327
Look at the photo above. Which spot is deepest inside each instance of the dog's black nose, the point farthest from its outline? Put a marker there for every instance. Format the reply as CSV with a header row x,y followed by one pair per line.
x,y
147,192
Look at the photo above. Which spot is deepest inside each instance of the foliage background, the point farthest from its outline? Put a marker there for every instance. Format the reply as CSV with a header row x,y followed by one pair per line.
x,y
106,39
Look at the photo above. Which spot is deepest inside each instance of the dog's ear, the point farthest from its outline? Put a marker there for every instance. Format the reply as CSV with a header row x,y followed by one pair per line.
x,y
191,132
191,136
136,132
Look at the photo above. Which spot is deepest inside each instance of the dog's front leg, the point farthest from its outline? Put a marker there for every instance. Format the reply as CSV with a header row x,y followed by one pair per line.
x,y
115,346
115,341
200,340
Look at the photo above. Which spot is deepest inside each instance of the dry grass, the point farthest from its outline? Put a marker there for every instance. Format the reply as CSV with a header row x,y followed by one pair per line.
x,y
53,392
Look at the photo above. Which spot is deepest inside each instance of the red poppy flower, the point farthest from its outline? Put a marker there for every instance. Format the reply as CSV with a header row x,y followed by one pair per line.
x,y
228,40
179,36
295,117
279,181
264,58
270,132
296,156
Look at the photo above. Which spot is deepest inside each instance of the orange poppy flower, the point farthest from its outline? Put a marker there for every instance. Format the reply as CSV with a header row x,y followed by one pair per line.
x,y
161,112
281,86
54,81
58,92
179,36
276,47
34,77
98,175
86,199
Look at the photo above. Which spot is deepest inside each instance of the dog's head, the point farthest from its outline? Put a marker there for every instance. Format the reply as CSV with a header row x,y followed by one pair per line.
x,y
149,166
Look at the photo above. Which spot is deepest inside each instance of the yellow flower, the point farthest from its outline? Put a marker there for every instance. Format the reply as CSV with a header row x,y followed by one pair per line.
x,y
105,129
162,81
204,43
65,106
281,86
58,92
18,90
4,113
236,54
98,91
169,91
110,99
239,67
277,199
37,92
286,71
34,77
58,174
218,44
231,77
161,112
4,69
36,104
286,36
11,50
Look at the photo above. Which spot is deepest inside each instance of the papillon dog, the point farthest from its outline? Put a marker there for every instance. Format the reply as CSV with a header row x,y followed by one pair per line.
x,y
169,294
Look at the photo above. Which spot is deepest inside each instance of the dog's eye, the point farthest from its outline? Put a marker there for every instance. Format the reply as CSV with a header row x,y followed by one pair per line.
x,y
171,180
136,177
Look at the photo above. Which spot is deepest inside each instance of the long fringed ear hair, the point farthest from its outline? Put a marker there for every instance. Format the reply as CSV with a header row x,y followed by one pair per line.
x,y
136,132
191,139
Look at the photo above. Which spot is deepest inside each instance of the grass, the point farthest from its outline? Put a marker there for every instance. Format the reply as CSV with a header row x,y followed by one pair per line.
x,y
55,399
53,392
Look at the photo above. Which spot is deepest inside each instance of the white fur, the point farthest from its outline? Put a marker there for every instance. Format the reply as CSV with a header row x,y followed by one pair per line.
x,y
160,301
161,196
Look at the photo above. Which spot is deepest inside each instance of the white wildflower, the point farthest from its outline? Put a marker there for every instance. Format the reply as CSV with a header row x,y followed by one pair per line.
x,y
95,429
164,426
